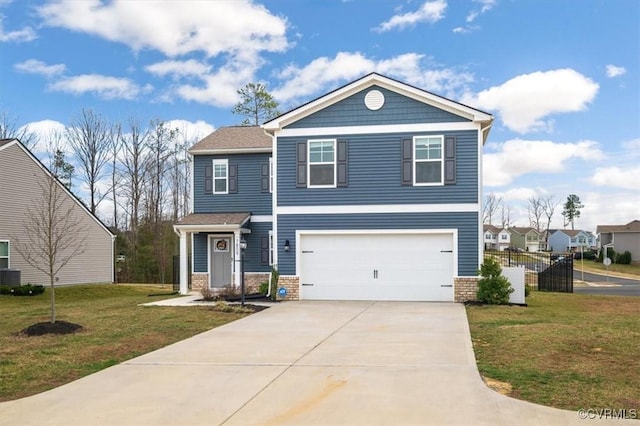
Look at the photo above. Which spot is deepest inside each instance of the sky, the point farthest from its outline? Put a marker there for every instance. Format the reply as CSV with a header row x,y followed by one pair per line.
x,y
561,77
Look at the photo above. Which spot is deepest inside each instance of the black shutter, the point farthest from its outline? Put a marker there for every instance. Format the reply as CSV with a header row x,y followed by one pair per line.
x,y
264,177
208,179
233,178
264,250
407,162
449,160
301,165
342,157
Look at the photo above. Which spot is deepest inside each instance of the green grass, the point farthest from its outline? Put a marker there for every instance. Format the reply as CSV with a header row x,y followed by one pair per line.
x,y
567,351
115,329
591,266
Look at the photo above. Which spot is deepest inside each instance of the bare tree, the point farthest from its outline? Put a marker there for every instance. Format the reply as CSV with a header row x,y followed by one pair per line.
x,y
115,144
505,214
549,204
134,144
491,206
90,137
536,211
10,130
52,235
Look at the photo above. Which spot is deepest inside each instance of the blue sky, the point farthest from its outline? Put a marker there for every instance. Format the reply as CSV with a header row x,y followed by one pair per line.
x,y
561,77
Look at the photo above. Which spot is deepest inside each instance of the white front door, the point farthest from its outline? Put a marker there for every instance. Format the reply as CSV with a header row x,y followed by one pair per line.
x,y
376,266
220,261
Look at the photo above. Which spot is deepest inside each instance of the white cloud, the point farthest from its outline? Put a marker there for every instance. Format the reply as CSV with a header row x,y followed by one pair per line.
x,y
33,66
104,86
430,12
617,177
325,73
487,5
191,131
176,69
517,157
633,146
173,28
607,208
519,194
524,101
44,131
614,71
22,35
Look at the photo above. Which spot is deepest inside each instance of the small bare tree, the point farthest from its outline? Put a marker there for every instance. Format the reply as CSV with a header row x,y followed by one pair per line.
x,y
52,234
505,214
491,205
10,130
549,204
536,211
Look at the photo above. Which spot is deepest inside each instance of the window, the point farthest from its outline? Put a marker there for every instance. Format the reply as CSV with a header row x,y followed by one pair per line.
x,y
4,254
427,163
220,176
322,163
487,236
503,236
270,174
532,238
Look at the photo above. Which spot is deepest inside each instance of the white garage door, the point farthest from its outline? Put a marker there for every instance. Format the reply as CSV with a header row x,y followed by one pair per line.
x,y
376,267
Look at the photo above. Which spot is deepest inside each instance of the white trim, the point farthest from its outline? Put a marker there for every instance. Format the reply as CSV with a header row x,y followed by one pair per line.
x,y
381,208
217,162
274,199
301,232
225,151
191,189
384,82
416,160
207,228
8,256
321,163
385,128
261,218
271,175
480,197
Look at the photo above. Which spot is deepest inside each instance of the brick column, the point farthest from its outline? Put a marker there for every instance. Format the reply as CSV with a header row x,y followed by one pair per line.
x,y
465,289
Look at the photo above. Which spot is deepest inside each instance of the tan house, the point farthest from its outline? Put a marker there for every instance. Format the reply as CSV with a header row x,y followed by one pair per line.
x,y
621,238
21,175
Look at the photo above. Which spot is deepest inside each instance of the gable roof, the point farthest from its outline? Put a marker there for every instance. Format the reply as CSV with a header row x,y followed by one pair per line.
x,y
633,226
491,228
523,230
5,143
372,79
570,232
234,139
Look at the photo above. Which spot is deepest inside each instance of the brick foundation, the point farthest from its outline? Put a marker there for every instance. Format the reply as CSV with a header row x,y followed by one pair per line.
x,y
252,281
292,284
465,289
199,280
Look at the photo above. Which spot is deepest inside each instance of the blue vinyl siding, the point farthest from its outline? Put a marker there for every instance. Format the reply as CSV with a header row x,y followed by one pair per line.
x,y
249,197
252,254
374,169
466,223
397,109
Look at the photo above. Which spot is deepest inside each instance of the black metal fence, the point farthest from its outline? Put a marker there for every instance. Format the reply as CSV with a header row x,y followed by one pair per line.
x,y
176,273
543,270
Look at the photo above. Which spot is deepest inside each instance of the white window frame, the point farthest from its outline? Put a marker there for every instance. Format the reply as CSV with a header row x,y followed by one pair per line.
x,y
225,163
334,162
416,160
8,256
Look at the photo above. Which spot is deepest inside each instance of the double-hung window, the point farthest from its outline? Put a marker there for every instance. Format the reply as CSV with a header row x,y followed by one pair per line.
x,y
427,163
220,176
4,254
322,163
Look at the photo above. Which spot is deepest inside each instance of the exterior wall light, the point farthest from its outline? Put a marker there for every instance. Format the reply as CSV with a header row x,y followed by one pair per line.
x,y
287,246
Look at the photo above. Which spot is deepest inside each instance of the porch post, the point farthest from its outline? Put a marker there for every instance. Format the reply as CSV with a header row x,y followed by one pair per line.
x,y
184,263
237,236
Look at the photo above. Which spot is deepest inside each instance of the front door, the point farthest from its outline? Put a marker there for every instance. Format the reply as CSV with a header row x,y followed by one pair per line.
x,y
221,261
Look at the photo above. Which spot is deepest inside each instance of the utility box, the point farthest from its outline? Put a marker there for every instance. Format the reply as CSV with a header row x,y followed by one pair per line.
x,y
10,277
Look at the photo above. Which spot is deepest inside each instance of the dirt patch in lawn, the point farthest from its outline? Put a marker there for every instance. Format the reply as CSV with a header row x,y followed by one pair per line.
x,y
58,327
502,388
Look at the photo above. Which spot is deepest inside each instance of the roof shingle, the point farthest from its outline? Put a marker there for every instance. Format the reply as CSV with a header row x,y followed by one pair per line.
x,y
234,138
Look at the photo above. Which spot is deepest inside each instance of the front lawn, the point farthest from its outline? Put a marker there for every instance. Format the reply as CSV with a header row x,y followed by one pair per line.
x,y
633,271
115,329
568,351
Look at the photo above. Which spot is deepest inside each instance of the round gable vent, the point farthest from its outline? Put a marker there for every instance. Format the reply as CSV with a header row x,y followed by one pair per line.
x,y
374,100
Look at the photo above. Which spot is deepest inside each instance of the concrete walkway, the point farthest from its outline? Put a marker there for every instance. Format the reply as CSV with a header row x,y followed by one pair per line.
x,y
299,363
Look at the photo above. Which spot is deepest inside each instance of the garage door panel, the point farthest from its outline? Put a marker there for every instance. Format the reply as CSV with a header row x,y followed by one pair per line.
x,y
377,267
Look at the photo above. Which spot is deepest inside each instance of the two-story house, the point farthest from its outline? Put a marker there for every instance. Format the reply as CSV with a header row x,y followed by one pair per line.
x,y
621,238
375,195
525,238
496,238
569,240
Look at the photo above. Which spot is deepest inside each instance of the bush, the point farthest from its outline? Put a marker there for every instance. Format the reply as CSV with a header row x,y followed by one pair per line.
x,y
623,258
493,288
264,287
23,290
587,255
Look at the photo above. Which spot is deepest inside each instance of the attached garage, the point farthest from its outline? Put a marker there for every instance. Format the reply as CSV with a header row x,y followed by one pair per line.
x,y
370,265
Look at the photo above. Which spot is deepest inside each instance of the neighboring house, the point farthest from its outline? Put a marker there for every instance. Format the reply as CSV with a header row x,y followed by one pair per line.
x,y
621,238
592,240
370,192
21,174
569,240
496,238
526,238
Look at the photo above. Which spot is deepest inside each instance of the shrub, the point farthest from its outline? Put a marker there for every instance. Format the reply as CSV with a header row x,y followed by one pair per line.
x,y
623,258
22,290
207,293
527,290
5,289
264,287
493,288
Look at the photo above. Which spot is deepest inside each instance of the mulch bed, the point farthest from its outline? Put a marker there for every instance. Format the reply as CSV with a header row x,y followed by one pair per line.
x,y
58,327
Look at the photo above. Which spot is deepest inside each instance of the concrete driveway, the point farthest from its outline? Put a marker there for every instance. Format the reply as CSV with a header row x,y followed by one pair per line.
x,y
299,363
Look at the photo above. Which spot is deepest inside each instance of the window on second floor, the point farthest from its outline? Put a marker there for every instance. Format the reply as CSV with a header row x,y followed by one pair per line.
x,y
503,236
220,176
4,254
427,160
322,163
532,238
